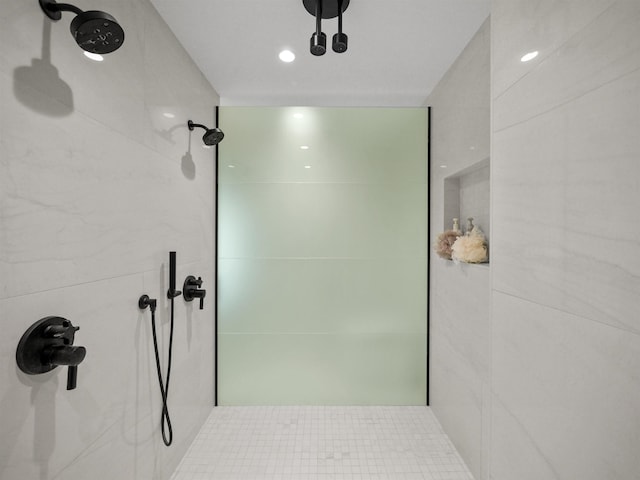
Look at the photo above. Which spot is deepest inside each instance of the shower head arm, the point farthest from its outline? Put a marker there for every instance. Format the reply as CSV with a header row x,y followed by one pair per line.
x,y
193,125
53,9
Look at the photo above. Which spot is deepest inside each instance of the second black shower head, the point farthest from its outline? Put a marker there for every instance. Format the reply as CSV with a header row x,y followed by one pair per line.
x,y
212,136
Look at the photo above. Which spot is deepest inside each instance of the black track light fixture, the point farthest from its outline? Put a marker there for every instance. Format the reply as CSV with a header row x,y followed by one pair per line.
x,y
326,9
94,31
318,42
340,39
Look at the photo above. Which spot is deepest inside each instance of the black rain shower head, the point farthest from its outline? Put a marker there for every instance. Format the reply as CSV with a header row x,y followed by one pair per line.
x,y
212,136
94,31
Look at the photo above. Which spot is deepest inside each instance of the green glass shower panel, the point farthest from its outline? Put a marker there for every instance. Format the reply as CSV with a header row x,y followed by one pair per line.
x,y
322,248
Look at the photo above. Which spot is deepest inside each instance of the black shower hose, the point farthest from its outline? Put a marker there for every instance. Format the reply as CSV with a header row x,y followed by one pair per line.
x,y
165,422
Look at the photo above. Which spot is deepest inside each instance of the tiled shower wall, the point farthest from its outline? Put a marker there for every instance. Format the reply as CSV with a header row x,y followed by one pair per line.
x,y
565,249
535,360
460,293
97,185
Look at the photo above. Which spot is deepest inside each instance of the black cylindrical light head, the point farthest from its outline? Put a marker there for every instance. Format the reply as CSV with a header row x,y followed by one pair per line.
x,y
340,41
318,44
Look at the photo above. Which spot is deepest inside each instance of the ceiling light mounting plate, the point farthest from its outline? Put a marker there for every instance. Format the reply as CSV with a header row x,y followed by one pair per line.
x,y
329,7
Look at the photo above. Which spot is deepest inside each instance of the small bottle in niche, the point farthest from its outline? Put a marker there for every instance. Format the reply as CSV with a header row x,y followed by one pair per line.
x,y
456,225
469,225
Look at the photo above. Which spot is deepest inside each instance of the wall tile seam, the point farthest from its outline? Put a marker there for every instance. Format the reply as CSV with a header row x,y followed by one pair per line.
x,y
75,285
561,46
566,102
109,129
564,312
129,275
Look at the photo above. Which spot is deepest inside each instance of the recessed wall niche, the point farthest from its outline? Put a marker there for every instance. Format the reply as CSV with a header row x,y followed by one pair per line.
x,y
466,194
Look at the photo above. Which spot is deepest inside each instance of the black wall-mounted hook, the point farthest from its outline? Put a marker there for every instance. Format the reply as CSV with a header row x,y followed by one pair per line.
x,y
47,344
191,289
144,301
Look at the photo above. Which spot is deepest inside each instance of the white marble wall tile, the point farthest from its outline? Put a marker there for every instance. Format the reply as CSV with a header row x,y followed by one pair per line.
x,y
460,305
566,391
456,399
165,94
460,294
534,25
92,199
565,196
459,309
117,401
111,381
83,203
43,55
602,52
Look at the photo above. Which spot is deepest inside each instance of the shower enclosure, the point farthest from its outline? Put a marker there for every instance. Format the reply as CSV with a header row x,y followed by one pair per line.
x,y
322,256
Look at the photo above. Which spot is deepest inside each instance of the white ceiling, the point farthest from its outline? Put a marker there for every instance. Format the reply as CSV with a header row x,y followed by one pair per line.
x,y
398,49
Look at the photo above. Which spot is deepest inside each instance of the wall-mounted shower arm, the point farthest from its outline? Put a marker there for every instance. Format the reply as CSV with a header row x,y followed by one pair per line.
x,y
192,125
54,10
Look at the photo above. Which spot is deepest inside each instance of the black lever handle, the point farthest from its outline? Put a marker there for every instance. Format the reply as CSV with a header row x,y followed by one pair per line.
x,y
66,355
72,377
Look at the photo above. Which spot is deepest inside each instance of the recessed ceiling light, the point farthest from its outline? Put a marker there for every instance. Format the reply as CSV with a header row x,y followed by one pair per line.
x,y
443,166
307,166
287,56
529,56
231,166
168,115
94,56
304,147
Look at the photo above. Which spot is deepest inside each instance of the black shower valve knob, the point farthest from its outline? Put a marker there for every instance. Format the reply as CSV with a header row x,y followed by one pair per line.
x,y
47,344
191,289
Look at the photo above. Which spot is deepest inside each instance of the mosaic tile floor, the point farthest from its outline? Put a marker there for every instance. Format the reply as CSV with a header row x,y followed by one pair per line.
x,y
322,443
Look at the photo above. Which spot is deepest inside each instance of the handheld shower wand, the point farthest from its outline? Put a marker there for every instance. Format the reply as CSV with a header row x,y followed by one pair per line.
x,y
172,292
